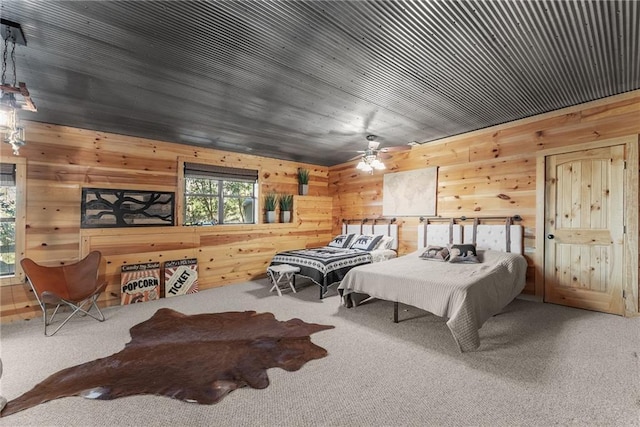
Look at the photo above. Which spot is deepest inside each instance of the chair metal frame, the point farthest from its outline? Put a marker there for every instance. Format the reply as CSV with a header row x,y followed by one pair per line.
x,y
71,298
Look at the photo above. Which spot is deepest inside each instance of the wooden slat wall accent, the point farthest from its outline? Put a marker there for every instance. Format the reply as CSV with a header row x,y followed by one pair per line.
x,y
487,172
63,160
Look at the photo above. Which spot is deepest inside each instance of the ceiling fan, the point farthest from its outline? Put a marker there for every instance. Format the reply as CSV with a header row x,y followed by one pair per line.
x,y
371,157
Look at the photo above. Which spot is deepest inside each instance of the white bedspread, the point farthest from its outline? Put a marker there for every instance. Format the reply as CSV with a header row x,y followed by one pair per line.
x,y
467,294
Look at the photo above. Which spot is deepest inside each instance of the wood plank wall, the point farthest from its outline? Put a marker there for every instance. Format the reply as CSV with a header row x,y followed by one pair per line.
x,y
487,172
61,160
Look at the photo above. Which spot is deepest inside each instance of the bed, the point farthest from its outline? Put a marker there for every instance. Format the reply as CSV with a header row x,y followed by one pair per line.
x,y
359,244
467,294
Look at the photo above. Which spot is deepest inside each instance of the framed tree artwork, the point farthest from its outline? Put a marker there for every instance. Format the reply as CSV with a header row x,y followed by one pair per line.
x,y
102,208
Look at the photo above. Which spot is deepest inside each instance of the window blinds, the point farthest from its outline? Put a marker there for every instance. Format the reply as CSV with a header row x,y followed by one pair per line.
x,y
198,170
7,174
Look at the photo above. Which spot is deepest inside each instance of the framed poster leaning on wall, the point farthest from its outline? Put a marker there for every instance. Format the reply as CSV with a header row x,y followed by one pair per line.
x,y
140,282
180,277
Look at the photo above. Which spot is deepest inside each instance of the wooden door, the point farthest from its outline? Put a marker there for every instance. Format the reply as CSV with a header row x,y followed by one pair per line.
x,y
584,229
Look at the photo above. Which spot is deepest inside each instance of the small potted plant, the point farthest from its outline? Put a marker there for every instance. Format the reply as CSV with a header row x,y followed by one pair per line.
x,y
286,204
270,203
303,181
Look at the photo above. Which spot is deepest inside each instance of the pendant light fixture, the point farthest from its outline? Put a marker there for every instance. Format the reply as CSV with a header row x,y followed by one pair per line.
x,y
14,96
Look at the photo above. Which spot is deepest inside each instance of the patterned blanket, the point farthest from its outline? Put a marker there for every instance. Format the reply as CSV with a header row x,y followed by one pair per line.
x,y
325,265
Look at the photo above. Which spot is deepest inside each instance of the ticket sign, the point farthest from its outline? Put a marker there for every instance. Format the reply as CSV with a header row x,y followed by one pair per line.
x,y
140,282
180,277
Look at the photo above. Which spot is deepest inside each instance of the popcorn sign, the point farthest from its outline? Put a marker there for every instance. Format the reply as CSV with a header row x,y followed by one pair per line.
x,y
140,282
180,277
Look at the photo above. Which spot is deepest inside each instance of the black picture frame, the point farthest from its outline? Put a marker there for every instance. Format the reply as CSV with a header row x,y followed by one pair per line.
x,y
110,208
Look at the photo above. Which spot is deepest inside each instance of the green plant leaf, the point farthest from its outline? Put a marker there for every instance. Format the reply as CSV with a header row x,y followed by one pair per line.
x,y
286,202
303,176
270,201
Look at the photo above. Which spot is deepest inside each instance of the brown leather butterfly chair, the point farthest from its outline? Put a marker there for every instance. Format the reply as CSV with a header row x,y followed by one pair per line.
x,y
74,285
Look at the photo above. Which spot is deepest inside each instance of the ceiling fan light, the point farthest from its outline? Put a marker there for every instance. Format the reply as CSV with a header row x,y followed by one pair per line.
x,y
377,164
370,159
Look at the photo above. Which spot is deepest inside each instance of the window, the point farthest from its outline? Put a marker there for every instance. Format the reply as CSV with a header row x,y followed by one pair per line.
x,y
12,223
219,195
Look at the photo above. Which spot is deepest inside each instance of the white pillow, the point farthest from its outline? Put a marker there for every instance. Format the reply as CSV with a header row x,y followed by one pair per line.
x,y
386,242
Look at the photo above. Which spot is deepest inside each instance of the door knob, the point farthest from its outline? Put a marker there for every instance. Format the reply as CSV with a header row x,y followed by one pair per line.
x,y
550,236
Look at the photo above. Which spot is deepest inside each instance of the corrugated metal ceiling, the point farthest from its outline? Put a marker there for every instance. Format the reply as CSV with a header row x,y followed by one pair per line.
x,y
308,80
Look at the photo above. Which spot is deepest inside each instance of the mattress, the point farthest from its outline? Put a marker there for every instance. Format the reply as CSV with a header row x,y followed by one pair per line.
x,y
466,294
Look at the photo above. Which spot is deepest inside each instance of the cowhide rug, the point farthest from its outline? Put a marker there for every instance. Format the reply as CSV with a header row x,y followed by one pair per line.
x,y
198,358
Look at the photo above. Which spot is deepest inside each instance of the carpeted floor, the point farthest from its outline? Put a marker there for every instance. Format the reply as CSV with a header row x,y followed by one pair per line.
x,y
539,364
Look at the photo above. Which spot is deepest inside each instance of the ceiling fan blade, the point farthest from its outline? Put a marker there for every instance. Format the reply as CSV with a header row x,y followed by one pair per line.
x,y
396,148
335,132
355,157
